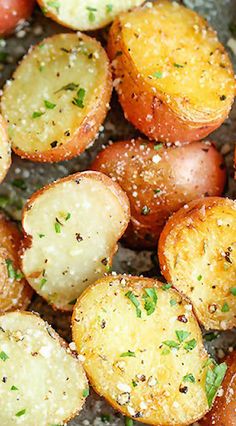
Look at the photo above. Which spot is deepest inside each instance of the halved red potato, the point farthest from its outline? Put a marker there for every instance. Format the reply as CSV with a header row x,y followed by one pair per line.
x,y
159,180
5,150
12,12
223,412
15,293
143,350
85,15
42,381
197,254
71,229
174,78
57,120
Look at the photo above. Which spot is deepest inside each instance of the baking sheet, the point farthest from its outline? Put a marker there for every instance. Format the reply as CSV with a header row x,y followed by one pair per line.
x,y
221,14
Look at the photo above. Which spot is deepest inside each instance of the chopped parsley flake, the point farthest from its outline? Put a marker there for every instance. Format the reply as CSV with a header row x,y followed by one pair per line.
x,y
158,74
91,15
12,273
135,302
158,146
3,356
178,65
210,336
199,278
145,211
21,413
109,8
171,344
129,353
79,100
214,378
225,307
128,421
233,291
166,286
165,351
190,345
14,388
19,183
41,235
54,4
85,393
37,114
42,282
49,105
173,302
105,418
189,378
68,216
134,383
150,299
182,335
57,227
70,86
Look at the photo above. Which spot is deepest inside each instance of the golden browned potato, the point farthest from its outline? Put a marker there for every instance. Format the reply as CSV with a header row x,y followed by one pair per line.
x,y
159,180
85,15
197,254
15,293
223,412
42,382
58,98
71,230
143,350
174,79
5,150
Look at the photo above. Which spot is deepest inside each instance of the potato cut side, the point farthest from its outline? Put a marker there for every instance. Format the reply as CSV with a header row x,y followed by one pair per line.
x,y
143,349
197,253
15,293
71,232
5,150
174,79
72,87
43,383
86,15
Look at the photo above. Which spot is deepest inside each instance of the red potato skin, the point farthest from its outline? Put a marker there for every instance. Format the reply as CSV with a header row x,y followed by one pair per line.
x,y
223,412
146,111
181,174
114,187
13,11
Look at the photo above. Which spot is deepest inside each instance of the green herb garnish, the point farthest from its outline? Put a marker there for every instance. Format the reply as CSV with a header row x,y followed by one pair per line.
x,y
85,393
150,300
54,4
70,87
190,345
14,388
158,146
37,114
166,286
41,235
91,14
225,307
214,378
135,302
49,105
233,291
171,344
68,216
158,74
3,356
12,272
21,413
181,335
178,65
19,183
128,421
79,100
105,418
199,278
145,211
129,353
173,302
189,378
42,282
72,302
109,8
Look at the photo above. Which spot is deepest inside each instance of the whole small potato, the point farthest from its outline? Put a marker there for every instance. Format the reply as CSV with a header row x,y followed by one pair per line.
x,y
13,11
223,412
159,180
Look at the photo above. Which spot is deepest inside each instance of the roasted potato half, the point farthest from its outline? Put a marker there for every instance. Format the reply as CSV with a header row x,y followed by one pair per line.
x,y
85,15
72,86
15,293
174,79
71,231
12,12
143,350
223,412
159,180
5,150
197,254
42,382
